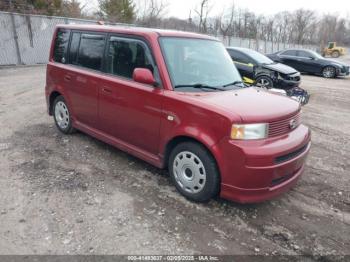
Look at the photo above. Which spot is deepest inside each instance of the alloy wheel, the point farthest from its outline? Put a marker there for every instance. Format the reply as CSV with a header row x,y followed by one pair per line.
x,y
263,83
328,72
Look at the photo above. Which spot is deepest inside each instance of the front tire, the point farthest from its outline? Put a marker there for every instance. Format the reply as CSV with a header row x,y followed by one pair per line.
x,y
194,172
264,82
328,72
62,116
335,54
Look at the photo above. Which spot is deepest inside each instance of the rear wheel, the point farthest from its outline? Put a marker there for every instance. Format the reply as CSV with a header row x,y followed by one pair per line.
x,y
335,54
264,82
194,172
328,72
62,116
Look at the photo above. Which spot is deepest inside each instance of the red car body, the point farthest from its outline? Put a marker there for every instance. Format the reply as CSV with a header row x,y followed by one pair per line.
x,y
135,118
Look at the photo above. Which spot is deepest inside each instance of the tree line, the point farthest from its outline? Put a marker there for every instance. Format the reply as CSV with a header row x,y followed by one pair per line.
x,y
301,26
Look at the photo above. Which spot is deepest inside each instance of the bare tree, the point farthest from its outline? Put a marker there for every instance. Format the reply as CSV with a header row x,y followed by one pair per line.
x,y
151,12
302,21
225,23
203,11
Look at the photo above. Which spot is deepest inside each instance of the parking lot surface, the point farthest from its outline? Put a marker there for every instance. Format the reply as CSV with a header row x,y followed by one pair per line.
x,y
76,195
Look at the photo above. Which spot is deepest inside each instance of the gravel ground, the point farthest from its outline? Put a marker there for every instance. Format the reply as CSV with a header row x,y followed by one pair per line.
x,y
76,195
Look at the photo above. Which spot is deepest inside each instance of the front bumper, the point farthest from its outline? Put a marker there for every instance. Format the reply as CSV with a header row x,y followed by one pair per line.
x,y
254,171
343,72
287,81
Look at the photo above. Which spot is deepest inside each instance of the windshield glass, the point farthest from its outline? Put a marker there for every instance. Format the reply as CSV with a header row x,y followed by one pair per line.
x,y
199,63
258,57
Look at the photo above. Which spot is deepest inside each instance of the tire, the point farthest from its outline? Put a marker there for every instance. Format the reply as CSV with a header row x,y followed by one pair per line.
x,y
328,72
264,82
194,172
335,54
62,116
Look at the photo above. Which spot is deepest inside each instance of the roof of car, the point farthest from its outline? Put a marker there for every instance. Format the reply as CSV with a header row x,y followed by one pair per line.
x,y
295,49
135,30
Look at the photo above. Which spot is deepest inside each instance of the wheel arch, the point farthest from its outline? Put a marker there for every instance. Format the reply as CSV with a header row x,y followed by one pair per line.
x,y
171,144
52,98
184,138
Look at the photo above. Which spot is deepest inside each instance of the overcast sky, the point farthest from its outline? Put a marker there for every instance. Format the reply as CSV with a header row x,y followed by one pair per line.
x,y
181,8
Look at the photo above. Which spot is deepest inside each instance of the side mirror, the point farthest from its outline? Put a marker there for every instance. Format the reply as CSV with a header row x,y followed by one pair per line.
x,y
144,76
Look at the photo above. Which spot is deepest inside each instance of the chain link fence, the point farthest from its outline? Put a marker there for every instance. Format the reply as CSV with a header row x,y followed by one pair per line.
x,y
26,39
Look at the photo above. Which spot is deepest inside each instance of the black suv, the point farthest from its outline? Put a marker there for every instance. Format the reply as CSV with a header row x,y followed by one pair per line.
x,y
262,70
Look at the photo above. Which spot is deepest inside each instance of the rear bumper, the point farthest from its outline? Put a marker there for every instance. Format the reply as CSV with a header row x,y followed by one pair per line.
x,y
263,170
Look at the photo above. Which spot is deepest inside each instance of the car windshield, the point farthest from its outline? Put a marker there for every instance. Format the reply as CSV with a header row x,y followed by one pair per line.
x,y
260,58
199,65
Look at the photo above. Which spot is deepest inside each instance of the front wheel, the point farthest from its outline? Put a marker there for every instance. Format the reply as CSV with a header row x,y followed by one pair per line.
x,y
335,54
264,82
194,172
62,116
328,72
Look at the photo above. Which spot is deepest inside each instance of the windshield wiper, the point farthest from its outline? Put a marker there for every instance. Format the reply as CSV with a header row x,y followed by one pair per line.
x,y
235,83
201,86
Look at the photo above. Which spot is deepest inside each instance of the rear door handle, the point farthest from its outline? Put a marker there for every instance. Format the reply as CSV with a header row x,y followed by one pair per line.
x,y
106,90
67,78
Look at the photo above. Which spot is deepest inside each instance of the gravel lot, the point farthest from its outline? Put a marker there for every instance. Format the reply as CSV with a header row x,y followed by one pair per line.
x,y
76,195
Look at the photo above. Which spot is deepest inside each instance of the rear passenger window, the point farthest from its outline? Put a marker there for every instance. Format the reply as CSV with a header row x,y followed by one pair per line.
x,y
124,55
61,44
90,51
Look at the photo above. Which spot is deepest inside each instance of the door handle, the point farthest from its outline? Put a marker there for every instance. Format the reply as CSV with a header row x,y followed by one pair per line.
x,y
67,78
106,90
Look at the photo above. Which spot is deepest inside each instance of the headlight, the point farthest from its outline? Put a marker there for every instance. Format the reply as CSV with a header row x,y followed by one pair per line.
x,y
249,131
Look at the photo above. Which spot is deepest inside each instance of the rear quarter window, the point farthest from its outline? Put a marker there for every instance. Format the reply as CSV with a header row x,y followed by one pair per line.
x,y
61,45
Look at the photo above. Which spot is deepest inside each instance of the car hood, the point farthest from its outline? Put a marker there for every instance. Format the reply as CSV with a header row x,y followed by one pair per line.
x,y
331,62
281,68
251,104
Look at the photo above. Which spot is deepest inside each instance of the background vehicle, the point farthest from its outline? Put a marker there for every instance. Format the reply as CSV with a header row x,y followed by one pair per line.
x,y
265,72
308,61
333,50
257,69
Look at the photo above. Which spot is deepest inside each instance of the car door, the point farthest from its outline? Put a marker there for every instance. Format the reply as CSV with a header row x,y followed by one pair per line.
x,y
308,62
130,111
243,63
85,57
290,58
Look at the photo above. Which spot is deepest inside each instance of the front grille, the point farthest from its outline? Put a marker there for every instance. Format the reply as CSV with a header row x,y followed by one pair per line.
x,y
282,127
281,159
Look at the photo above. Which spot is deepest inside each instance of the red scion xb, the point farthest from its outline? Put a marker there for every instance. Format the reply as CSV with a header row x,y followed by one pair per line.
x,y
176,100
